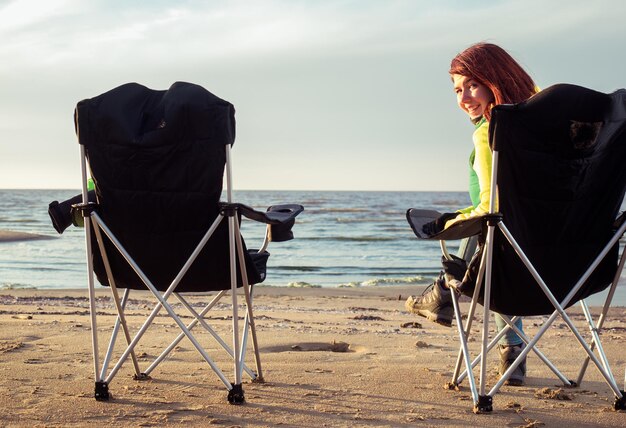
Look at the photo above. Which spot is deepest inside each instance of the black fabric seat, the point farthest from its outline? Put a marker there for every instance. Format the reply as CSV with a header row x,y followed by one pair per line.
x,y
562,180
157,159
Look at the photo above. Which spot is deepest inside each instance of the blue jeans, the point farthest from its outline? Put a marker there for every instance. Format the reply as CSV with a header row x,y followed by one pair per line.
x,y
467,248
510,338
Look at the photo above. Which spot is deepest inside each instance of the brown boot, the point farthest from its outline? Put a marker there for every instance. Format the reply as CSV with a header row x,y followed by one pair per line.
x,y
435,303
508,354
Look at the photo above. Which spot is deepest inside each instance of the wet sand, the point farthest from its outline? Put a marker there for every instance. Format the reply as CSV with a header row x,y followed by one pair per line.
x,y
13,236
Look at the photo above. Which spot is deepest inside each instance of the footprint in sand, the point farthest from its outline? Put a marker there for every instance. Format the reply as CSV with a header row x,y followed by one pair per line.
x,y
10,346
552,394
334,346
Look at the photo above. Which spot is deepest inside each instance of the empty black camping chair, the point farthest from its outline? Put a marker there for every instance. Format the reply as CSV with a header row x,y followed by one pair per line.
x,y
158,159
558,167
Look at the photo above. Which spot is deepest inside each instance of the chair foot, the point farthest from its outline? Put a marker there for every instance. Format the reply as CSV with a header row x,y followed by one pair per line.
x,y
235,395
453,386
141,377
102,391
484,405
620,402
258,379
572,384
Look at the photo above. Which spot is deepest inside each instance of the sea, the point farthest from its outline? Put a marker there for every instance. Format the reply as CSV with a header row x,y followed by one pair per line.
x,y
342,239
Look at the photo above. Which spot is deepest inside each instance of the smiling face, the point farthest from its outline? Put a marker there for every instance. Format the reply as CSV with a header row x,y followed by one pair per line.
x,y
471,96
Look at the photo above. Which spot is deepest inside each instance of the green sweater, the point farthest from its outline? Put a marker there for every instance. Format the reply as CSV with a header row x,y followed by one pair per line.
x,y
480,174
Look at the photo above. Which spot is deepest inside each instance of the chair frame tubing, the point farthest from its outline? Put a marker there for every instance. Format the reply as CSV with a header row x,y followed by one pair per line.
x,y
483,400
235,392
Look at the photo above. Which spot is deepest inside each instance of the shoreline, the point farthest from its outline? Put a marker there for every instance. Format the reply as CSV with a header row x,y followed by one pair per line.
x,y
386,290
331,357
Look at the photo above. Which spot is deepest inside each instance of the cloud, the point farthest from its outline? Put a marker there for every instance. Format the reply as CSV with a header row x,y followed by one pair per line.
x,y
362,80
18,15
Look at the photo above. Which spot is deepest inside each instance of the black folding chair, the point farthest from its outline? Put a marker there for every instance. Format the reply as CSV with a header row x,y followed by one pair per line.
x,y
158,159
551,237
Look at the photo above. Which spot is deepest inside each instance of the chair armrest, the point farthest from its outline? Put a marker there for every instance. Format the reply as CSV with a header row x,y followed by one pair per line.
x,y
285,216
63,214
280,219
283,213
459,230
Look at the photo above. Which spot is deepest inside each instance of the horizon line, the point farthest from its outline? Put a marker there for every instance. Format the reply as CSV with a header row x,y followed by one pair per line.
x,y
263,190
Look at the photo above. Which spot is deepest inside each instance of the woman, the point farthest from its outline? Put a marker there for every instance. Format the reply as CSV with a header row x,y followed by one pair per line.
x,y
483,76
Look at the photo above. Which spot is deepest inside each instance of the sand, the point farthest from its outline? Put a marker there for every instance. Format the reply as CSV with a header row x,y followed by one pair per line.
x,y
13,236
331,358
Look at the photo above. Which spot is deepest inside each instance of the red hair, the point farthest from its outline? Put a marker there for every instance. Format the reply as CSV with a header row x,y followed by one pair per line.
x,y
493,67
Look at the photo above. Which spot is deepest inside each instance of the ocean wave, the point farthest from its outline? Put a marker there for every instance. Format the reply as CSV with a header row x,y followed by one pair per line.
x,y
406,229
394,213
368,219
337,210
401,274
350,238
387,281
302,284
298,268
448,203
16,286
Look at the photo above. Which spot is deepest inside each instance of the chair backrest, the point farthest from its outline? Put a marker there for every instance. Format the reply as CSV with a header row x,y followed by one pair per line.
x,y
561,181
157,159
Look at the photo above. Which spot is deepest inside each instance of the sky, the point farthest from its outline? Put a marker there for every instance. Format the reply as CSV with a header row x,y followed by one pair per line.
x,y
329,95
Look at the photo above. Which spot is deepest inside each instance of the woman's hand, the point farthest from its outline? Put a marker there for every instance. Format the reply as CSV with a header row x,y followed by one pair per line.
x,y
438,224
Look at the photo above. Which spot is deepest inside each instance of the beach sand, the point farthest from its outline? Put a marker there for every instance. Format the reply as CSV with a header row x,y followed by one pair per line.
x,y
13,236
331,358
